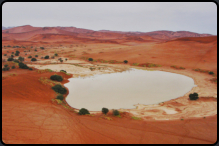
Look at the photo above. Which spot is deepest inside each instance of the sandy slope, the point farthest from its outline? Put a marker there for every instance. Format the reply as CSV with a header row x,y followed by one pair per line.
x,y
30,116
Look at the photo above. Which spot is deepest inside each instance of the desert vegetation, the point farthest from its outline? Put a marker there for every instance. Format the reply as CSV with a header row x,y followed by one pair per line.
x,y
5,68
83,111
193,96
60,97
10,59
116,113
176,67
125,61
23,66
46,57
59,89
56,78
33,59
105,110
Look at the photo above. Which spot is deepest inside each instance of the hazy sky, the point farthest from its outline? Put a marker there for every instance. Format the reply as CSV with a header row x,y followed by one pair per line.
x,y
200,17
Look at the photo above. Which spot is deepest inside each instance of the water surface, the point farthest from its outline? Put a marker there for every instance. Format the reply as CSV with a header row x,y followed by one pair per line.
x,y
124,89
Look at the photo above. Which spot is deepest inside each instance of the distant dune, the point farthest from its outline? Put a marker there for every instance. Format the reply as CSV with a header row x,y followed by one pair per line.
x,y
27,31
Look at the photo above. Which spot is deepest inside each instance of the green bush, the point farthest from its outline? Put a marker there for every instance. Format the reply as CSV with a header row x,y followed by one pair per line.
x,y
5,65
13,67
59,89
21,58
90,59
29,57
46,57
105,110
23,66
56,54
5,54
5,68
56,78
12,56
30,68
36,55
115,112
35,50
10,59
193,96
16,54
33,59
211,72
63,71
42,48
60,97
125,61
17,61
12,52
83,111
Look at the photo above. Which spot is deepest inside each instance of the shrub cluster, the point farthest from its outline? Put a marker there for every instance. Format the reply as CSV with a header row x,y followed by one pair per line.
x,y
125,61
29,57
105,110
33,59
10,59
42,48
23,66
90,59
83,111
56,78
60,97
63,71
58,88
5,68
193,96
21,58
17,53
46,57
5,54
36,55
115,112
13,67
17,61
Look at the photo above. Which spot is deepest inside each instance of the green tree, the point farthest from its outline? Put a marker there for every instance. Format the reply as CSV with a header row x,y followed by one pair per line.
x,y
90,59
46,57
105,110
115,112
60,97
59,89
83,111
33,59
193,96
125,61
56,78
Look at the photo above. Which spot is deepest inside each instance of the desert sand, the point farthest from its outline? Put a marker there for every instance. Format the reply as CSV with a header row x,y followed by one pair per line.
x,y
31,115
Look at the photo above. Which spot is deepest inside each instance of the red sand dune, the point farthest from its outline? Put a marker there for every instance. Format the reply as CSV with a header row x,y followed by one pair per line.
x,y
29,116
197,53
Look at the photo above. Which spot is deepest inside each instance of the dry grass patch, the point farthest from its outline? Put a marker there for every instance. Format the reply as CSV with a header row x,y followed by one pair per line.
x,y
46,81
